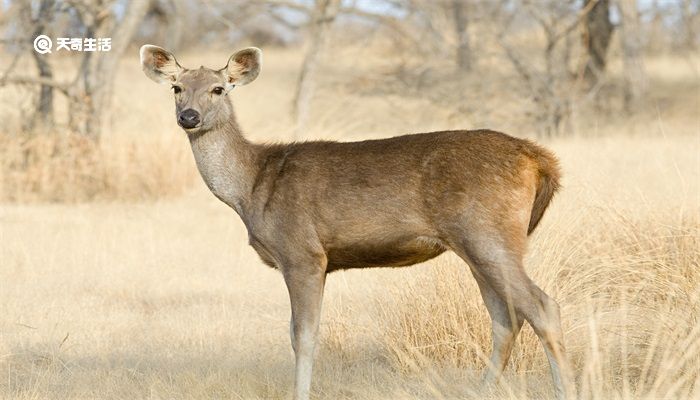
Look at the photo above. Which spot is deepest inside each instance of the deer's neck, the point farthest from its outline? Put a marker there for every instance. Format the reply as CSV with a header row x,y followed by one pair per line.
x,y
227,163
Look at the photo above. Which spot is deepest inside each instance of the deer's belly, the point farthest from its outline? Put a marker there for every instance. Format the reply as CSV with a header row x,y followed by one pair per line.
x,y
395,253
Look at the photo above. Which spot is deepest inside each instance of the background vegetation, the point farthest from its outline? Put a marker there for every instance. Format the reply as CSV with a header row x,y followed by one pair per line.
x,y
122,277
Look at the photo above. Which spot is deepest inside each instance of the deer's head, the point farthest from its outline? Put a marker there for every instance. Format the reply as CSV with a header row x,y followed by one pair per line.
x,y
201,94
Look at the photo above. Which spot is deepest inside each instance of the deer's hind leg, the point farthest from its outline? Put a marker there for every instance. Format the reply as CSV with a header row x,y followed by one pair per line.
x,y
495,257
505,327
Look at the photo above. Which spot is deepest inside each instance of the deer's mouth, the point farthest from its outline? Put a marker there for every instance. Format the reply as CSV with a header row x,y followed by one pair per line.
x,y
192,129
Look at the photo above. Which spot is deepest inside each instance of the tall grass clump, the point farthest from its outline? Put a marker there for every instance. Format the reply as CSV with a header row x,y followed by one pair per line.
x,y
630,296
72,168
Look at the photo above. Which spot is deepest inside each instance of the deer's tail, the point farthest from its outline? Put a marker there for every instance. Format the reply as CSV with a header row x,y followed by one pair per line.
x,y
549,176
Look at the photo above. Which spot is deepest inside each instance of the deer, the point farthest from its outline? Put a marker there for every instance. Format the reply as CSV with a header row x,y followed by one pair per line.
x,y
314,207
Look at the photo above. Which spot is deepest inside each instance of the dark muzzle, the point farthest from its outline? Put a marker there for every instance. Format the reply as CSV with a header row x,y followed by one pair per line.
x,y
188,119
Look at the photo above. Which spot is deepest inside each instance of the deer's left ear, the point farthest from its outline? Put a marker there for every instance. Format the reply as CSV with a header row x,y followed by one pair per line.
x,y
243,67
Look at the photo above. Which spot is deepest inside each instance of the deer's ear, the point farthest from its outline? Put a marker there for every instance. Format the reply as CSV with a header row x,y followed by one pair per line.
x,y
159,64
244,66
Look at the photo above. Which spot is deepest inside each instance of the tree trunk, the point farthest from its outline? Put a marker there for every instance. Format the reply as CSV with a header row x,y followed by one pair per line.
x,y
43,115
689,35
597,33
168,13
464,56
322,18
635,82
98,69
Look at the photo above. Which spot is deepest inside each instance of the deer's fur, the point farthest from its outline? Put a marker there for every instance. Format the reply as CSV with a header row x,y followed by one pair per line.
x,y
315,207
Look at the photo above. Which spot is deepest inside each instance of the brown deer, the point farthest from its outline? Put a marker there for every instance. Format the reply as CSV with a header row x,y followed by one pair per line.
x,y
315,207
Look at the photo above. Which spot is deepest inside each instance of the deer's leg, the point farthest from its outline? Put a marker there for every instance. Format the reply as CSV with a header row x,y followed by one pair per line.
x,y
505,326
500,267
542,312
546,321
305,282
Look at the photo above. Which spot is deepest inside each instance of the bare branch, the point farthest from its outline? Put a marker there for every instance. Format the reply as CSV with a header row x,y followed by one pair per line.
x,y
289,4
553,34
392,22
11,67
29,80
280,19
579,18
519,66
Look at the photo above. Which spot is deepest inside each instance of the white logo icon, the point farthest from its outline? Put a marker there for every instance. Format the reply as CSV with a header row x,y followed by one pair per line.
x,y
42,44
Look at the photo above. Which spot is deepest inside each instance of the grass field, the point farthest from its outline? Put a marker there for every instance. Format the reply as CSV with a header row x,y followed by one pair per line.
x,y
121,298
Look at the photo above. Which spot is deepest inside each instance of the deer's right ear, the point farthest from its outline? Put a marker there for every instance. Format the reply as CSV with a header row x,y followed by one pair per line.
x,y
159,64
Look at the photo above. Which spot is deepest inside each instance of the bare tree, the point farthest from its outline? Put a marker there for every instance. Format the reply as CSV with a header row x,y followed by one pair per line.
x,y
89,92
44,109
97,73
464,56
31,20
442,29
598,29
322,17
690,9
550,86
168,14
635,81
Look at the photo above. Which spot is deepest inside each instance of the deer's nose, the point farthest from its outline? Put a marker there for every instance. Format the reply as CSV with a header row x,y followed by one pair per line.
x,y
188,118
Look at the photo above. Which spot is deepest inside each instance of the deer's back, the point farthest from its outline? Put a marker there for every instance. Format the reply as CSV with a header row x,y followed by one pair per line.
x,y
405,168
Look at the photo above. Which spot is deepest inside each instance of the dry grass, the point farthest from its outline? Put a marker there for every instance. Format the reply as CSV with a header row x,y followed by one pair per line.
x,y
164,299
71,168
631,317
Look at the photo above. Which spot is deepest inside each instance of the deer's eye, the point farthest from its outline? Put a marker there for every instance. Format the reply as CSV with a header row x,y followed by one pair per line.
x,y
218,90
177,89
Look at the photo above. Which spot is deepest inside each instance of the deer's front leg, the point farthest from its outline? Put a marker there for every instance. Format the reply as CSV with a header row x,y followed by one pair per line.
x,y
305,282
